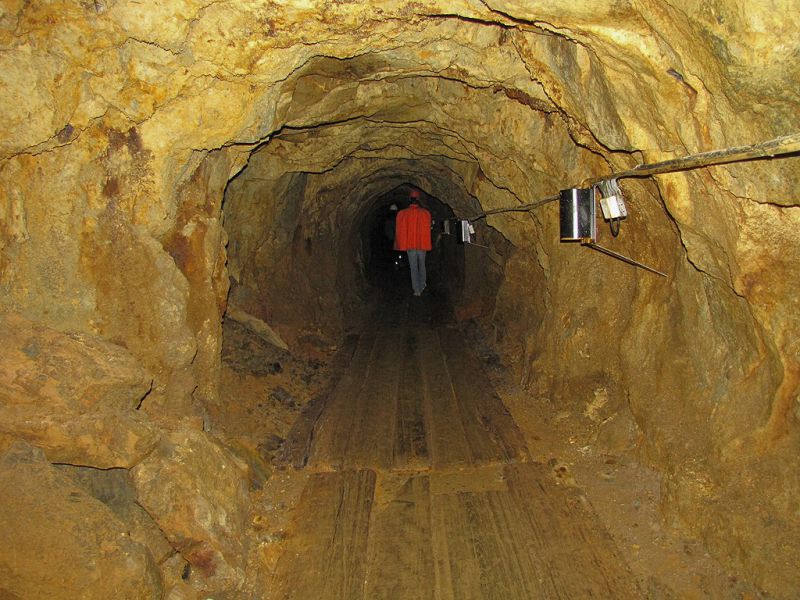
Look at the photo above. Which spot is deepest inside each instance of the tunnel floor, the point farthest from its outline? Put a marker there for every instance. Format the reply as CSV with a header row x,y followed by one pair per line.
x,y
414,481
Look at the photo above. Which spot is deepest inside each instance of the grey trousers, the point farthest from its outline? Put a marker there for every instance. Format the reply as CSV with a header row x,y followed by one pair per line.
x,y
416,260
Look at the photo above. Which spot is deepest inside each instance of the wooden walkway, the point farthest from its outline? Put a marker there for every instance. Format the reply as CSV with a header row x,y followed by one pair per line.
x,y
423,488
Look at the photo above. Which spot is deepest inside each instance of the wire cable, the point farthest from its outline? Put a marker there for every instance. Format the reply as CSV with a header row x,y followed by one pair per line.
x,y
775,148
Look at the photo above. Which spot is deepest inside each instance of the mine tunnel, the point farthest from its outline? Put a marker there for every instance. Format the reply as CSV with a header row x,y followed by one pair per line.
x,y
217,382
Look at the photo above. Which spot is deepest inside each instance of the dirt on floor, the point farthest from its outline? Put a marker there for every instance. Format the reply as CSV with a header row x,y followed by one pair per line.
x,y
667,561
264,389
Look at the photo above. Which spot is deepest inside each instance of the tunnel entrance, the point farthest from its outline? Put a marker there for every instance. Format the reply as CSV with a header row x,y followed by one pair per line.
x,y
167,166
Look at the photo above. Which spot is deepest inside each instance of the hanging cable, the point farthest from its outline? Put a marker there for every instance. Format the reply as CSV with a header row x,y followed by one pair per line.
x,y
521,208
781,146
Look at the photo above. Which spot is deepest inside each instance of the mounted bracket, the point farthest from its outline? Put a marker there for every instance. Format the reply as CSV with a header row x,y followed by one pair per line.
x,y
464,232
578,220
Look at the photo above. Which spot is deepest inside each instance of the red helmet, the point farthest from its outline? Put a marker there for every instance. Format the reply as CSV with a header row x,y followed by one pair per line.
x,y
413,194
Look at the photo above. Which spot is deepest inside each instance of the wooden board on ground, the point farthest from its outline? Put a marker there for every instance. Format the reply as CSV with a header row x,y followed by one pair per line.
x,y
473,552
326,551
533,540
332,431
492,433
450,508
411,432
297,446
373,426
581,560
449,446
400,557
497,532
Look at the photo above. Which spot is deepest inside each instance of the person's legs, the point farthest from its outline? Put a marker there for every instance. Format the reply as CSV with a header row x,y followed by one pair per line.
x,y
423,276
413,264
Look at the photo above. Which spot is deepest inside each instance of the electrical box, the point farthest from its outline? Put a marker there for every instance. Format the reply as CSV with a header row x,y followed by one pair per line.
x,y
446,227
464,232
577,215
613,207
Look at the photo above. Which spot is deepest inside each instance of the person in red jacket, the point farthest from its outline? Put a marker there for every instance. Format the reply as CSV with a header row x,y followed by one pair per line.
x,y
413,234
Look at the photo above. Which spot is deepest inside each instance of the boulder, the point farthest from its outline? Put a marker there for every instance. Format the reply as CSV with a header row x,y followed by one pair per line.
x,y
74,396
104,440
617,434
61,543
256,325
197,492
66,372
114,488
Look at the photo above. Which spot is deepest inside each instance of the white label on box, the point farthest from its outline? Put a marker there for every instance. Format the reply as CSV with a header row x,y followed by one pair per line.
x,y
613,208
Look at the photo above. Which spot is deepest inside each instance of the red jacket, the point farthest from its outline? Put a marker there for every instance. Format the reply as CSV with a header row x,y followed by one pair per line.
x,y
413,229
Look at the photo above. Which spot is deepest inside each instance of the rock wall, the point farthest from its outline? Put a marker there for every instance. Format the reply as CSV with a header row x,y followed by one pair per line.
x,y
126,125
62,541
76,401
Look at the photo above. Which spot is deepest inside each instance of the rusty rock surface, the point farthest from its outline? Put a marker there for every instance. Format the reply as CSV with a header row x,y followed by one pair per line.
x,y
197,492
59,542
103,440
60,372
74,396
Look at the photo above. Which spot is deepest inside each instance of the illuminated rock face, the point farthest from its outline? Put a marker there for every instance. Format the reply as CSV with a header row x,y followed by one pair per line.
x,y
131,131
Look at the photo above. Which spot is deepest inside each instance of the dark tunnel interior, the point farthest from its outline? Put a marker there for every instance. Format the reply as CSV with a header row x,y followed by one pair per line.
x,y
387,269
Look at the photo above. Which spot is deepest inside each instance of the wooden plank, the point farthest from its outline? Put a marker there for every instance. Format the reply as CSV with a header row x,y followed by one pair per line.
x,y
297,447
483,559
401,555
411,432
531,572
532,540
478,525
371,437
458,573
488,478
326,549
441,542
480,539
332,431
448,443
476,563
492,433
564,533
